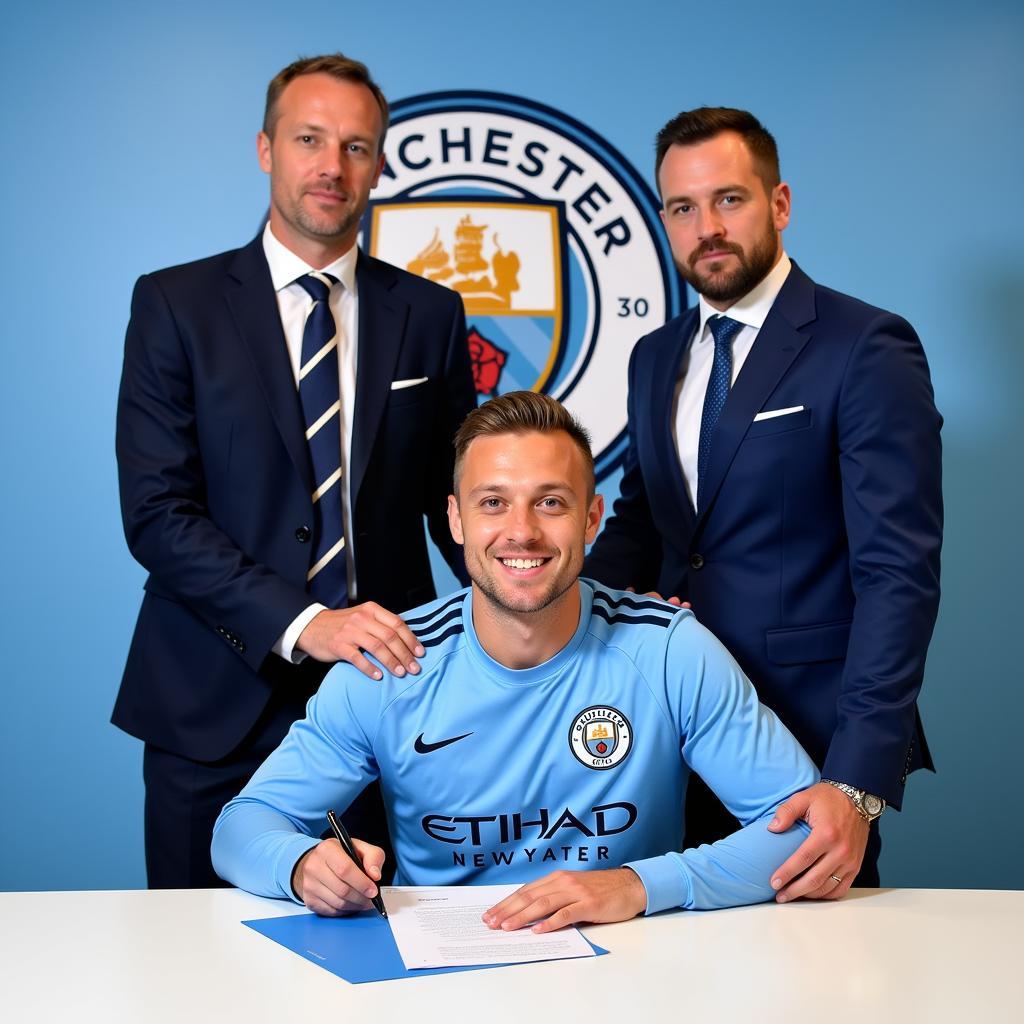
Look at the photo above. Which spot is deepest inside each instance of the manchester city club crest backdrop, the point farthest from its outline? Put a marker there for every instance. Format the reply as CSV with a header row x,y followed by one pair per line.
x,y
549,234
519,173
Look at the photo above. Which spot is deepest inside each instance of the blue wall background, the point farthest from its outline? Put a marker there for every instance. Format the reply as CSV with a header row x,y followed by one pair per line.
x,y
128,144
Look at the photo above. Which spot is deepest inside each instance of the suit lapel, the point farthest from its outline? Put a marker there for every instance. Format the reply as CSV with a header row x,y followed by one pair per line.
x,y
778,343
666,372
250,295
382,319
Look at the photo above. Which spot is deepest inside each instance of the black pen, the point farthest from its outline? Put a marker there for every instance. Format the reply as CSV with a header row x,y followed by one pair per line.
x,y
346,844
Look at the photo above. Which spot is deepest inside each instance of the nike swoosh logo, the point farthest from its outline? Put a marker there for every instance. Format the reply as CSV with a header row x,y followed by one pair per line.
x,y
428,748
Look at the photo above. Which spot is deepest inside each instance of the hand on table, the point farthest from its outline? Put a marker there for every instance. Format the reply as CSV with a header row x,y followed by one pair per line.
x,y
834,849
567,897
344,634
329,882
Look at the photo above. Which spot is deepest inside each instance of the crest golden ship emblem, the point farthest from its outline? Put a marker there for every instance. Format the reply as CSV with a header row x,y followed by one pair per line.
x,y
486,286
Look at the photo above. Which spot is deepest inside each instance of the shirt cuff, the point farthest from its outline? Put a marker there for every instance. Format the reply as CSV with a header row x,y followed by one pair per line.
x,y
285,646
667,886
291,853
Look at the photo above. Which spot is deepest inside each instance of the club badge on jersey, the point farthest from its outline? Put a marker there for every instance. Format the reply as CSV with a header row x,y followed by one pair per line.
x,y
600,737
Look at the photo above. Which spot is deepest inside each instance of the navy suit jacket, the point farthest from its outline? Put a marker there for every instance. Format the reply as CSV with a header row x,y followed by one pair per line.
x,y
816,559
216,483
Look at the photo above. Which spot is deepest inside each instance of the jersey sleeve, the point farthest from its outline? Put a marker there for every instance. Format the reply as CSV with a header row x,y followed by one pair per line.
x,y
749,759
323,763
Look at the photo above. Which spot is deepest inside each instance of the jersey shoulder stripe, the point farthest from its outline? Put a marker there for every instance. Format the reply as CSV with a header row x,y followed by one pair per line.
x,y
435,624
635,603
455,629
437,609
637,620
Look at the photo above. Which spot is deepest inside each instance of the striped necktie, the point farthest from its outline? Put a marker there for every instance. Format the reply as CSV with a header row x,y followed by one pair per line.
x,y
327,579
723,330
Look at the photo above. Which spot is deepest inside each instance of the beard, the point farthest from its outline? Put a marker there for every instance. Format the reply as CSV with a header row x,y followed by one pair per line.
x,y
507,599
752,267
326,225
305,218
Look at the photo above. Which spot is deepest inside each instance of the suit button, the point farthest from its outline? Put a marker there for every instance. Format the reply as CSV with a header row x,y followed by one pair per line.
x,y
303,534
696,561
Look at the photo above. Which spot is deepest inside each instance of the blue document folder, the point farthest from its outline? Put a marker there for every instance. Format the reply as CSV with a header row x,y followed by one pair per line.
x,y
359,948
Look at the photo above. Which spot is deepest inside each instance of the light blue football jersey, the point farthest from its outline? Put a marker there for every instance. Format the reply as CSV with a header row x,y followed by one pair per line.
x,y
494,775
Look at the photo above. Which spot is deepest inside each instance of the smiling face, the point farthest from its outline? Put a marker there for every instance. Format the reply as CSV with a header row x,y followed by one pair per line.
x,y
323,160
524,513
723,223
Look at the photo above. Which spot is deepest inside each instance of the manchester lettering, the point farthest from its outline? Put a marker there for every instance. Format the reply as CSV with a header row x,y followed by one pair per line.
x,y
467,149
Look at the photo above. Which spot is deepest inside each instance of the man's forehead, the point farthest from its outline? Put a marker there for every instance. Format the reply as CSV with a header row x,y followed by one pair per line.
x,y
726,153
321,91
522,456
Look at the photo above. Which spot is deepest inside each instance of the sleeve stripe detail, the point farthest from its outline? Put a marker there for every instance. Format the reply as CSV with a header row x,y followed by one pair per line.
x,y
455,613
636,603
458,599
448,633
638,619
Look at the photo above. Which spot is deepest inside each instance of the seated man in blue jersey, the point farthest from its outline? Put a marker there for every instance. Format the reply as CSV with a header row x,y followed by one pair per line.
x,y
550,735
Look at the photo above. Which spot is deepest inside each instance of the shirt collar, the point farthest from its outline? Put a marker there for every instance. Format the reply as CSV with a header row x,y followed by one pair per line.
x,y
286,268
754,307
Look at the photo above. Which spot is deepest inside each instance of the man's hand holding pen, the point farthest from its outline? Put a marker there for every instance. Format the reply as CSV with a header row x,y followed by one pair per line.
x,y
331,883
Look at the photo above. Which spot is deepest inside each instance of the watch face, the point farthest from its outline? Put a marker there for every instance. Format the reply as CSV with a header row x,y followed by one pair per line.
x,y
872,804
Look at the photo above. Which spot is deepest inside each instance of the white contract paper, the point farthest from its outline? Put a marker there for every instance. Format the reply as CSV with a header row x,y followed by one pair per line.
x,y
441,926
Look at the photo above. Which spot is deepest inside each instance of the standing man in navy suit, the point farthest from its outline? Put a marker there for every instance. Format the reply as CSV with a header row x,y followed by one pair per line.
x,y
784,477
223,493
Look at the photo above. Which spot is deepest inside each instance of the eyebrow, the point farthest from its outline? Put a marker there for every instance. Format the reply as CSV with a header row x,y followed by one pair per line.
x,y
724,190
545,488
312,126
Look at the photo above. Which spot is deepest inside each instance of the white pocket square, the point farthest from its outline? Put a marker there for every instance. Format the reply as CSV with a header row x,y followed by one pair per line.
x,y
397,385
770,414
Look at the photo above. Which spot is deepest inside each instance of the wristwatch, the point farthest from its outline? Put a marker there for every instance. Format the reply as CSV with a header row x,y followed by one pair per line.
x,y
868,805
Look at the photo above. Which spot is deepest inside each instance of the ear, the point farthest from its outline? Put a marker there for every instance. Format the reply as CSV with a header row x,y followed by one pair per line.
x,y
263,152
781,200
455,520
594,516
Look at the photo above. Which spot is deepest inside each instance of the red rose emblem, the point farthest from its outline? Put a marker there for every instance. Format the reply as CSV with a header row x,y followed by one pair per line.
x,y
487,360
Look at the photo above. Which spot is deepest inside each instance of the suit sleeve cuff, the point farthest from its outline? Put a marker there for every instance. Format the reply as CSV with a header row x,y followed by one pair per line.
x,y
285,646
666,885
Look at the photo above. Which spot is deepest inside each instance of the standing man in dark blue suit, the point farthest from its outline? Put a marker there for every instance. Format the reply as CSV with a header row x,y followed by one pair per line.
x,y
784,477
280,535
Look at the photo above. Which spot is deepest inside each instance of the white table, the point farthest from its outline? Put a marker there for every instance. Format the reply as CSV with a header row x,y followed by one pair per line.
x,y
880,955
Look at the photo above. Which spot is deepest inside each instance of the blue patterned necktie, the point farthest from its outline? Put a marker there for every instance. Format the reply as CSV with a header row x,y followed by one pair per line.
x,y
723,330
319,393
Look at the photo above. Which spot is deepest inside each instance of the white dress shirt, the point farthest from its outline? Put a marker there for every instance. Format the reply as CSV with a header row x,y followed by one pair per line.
x,y
695,371
294,304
